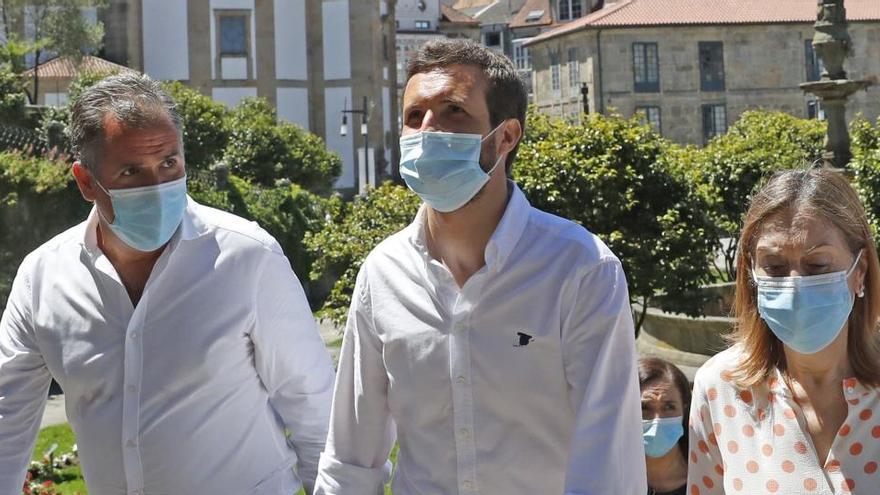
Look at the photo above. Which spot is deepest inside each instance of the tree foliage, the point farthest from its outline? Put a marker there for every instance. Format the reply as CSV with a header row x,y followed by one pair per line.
x,y
351,232
865,165
612,176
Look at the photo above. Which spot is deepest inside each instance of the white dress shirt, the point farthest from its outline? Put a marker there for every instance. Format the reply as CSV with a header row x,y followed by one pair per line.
x,y
756,440
521,382
188,392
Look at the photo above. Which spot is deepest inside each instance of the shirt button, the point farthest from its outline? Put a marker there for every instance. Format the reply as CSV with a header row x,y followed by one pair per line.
x,y
461,379
133,335
130,444
467,484
131,388
464,432
459,326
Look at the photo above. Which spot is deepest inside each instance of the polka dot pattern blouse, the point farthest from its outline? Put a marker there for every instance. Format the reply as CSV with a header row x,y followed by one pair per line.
x,y
752,441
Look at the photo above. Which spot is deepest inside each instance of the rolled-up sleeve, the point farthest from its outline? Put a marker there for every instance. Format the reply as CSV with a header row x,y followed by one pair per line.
x,y
292,362
607,455
24,385
361,430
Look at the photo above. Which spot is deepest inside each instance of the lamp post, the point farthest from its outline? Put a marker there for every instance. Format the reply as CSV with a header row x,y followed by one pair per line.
x,y
585,97
365,167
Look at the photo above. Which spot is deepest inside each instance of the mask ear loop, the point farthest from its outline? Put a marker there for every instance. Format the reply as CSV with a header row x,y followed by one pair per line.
x,y
487,137
849,272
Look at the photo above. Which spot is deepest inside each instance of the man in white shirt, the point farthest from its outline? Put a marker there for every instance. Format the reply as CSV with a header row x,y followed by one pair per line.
x,y
179,333
493,340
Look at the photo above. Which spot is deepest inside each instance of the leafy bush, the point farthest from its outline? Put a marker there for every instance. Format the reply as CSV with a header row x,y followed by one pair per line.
x,y
351,232
204,125
727,170
264,150
12,96
611,175
865,165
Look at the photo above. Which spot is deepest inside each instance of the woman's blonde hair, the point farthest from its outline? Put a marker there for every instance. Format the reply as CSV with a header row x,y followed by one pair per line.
x,y
825,195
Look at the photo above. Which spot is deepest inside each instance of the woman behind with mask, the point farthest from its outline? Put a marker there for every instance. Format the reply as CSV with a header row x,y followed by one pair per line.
x,y
794,405
666,398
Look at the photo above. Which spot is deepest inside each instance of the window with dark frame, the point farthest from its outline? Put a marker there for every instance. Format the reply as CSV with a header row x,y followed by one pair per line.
x,y
493,39
814,63
569,9
646,68
574,68
714,120
711,65
651,115
554,71
423,25
233,35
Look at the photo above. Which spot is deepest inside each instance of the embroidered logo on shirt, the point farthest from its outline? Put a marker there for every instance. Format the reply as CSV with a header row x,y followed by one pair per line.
x,y
524,339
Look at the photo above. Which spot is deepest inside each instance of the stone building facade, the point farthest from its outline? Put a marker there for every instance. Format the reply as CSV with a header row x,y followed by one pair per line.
x,y
312,59
692,72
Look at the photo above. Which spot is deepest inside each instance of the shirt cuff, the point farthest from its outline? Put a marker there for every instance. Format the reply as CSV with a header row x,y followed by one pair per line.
x,y
338,478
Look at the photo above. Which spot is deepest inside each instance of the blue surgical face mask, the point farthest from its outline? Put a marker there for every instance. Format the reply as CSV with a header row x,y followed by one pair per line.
x,y
443,168
661,434
145,218
806,313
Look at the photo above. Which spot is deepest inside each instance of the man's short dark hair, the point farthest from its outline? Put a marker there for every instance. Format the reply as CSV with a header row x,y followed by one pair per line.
x,y
506,95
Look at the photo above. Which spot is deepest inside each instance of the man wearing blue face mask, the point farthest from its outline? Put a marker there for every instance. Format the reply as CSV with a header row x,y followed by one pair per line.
x,y
493,340
180,335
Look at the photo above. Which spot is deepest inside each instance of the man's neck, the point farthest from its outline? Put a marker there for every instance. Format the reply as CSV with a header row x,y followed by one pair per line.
x,y
459,239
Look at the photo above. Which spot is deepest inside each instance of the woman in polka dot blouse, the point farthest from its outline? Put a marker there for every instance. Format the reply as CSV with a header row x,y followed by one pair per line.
x,y
794,405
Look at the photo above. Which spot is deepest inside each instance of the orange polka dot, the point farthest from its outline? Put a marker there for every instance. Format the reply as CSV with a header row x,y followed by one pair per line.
x,y
789,413
855,449
693,457
720,470
729,411
800,447
875,431
737,484
717,428
762,414
844,430
854,402
772,486
746,396
704,448
733,447
832,465
810,484
708,482
871,467
788,466
848,485
695,490
778,430
865,415
771,397
767,449
749,431
850,382
713,439
752,467
712,393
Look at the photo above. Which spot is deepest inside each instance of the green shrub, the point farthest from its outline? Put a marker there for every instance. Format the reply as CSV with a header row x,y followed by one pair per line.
x,y
204,125
264,150
612,176
729,168
12,96
865,165
349,235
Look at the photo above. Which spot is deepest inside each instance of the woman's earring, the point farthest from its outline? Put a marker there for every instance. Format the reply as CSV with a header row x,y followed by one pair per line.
x,y
862,292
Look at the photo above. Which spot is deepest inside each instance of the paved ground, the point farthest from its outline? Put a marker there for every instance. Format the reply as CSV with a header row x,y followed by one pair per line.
x,y
54,413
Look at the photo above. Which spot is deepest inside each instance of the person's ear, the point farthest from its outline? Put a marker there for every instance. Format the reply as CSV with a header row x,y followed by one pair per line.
x,y
85,182
511,133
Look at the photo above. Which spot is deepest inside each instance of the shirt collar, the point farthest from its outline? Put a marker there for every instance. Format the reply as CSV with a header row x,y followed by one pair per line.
x,y
507,234
191,227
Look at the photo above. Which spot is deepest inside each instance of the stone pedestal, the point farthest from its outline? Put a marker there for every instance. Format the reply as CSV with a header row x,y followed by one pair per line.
x,y
833,95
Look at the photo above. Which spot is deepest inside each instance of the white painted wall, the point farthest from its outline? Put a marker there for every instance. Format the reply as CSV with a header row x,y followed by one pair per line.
x,y
290,40
293,106
233,68
337,44
166,44
56,99
232,5
231,96
334,102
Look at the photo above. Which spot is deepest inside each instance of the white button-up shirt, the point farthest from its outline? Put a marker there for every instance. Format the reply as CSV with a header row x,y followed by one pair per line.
x,y
521,382
188,392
